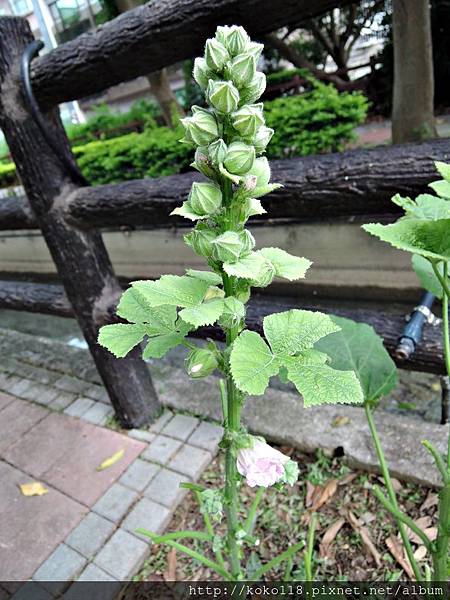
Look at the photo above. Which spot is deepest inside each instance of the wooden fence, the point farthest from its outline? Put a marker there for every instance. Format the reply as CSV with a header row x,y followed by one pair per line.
x,y
69,212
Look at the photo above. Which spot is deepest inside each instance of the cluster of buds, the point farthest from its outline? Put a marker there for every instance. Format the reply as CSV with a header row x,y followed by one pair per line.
x,y
229,135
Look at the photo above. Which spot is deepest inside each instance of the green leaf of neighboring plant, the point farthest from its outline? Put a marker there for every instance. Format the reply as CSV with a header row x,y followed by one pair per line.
x,y
426,275
427,238
296,330
291,472
120,338
209,276
172,290
358,348
441,187
286,265
318,383
425,206
250,267
443,169
252,363
206,313
253,565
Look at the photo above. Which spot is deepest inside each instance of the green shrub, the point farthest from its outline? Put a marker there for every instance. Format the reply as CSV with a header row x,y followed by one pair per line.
x,y
105,124
283,76
152,153
320,120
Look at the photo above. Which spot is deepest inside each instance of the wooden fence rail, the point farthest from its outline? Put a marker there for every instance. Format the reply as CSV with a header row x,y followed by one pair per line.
x,y
51,299
353,183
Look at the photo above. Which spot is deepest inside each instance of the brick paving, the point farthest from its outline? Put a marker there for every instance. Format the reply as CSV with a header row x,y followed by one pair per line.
x,y
53,430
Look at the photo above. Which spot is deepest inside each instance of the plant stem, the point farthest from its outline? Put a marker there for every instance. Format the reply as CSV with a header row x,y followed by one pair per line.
x,y
391,492
440,553
310,548
251,517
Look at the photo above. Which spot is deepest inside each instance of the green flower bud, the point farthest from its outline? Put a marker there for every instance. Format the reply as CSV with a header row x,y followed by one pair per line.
x,y
200,363
201,240
265,275
254,90
230,246
255,49
261,170
246,121
217,151
223,96
201,128
202,162
201,73
234,38
216,55
205,198
240,158
233,313
262,138
242,69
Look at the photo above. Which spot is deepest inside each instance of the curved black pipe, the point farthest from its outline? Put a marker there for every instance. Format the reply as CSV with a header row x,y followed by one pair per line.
x,y
29,53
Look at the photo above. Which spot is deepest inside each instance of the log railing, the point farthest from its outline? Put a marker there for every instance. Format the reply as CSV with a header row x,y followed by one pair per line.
x,y
69,214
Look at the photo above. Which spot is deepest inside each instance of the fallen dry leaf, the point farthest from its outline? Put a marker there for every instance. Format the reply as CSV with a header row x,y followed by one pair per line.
x,y
396,549
310,489
325,494
35,488
420,553
425,524
363,532
347,479
329,536
109,462
170,574
340,421
431,500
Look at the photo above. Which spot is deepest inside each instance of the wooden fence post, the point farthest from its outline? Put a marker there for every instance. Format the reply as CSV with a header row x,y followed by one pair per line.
x,y
80,256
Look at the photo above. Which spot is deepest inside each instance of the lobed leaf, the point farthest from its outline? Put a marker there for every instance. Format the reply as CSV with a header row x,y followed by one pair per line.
x,y
250,267
296,330
430,239
426,275
158,346
357,347
205,313
441,187
252,363
172,290
286,265
425,206
208,276
318,383
443,169
120,338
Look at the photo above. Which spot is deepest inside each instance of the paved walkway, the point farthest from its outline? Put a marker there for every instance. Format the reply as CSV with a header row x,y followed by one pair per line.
x,y
53,430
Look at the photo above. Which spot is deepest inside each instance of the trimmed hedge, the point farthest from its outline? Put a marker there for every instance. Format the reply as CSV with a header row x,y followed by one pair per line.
x,y
320,120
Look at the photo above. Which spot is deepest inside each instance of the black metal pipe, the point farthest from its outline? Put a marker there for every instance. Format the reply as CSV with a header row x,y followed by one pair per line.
x,y
412,332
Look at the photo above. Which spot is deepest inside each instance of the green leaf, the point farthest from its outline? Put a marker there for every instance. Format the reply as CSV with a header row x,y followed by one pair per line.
x,y
212,501
425,206
186,211
209,276
252,363
250,267
443,169
158,346
427,238
441,187
172,290
426,275
358,348
319,384
286,265
291,472
296,330
120,338
206,313
134,308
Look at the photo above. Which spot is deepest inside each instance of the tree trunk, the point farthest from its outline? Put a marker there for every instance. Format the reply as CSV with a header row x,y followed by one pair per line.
x,y
169,105
413,93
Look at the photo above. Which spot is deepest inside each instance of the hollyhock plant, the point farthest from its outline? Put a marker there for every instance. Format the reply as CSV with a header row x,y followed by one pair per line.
x,y
229,138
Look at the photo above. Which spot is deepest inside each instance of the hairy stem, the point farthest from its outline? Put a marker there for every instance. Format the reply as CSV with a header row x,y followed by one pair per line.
x,y
310,548
391,492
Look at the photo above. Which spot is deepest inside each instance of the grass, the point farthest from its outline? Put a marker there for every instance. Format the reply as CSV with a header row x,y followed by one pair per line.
x,y
284,518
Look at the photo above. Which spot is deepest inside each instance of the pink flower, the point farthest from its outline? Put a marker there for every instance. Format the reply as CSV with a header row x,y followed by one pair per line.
x,y
261,465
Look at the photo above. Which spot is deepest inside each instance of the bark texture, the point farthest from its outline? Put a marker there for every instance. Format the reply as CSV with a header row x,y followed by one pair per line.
x,y
348,184
51,299
80,256
153,36
413,93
